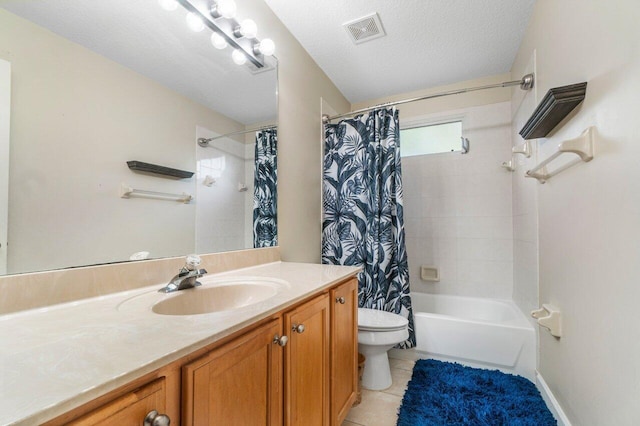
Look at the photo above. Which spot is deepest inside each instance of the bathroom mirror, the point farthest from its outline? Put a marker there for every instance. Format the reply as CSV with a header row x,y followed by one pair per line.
x,y
96,84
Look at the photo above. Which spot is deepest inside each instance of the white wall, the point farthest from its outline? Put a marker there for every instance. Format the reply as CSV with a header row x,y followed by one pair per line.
x,y
458,208
589,216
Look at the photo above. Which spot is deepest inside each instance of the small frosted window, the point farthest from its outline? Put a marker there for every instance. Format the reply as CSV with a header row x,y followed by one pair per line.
x,y
432,139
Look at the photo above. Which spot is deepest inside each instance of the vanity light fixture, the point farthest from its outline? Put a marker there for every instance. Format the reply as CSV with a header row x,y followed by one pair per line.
x,y
266,47
224,9
168,5
218,41
238,57
247,28
194,22
218,16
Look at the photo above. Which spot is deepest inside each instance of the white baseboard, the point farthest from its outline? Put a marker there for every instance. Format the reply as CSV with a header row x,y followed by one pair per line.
x,y
551,401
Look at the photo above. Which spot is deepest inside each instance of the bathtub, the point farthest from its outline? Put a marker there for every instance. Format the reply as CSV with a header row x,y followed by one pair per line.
x,y
489,333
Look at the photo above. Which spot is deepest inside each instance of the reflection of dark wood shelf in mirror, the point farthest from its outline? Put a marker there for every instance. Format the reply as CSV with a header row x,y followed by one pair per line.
x,y
139,166
556,105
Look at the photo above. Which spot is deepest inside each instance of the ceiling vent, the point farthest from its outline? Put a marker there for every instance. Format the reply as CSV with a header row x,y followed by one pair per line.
x,y
364,29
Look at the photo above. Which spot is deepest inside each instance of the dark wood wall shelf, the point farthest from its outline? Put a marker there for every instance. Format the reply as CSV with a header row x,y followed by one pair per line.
x,y
140,166
555,106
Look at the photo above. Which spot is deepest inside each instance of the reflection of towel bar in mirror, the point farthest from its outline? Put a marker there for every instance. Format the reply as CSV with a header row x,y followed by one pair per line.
x,y
128,192
582,146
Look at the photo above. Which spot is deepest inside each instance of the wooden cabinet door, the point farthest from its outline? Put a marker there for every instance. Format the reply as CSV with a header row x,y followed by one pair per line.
x,y
344,349
129,409
307,364
239,383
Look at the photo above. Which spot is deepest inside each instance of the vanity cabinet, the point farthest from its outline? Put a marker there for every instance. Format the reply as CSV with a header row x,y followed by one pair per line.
x,y
344,349
239,383
296,367
307,364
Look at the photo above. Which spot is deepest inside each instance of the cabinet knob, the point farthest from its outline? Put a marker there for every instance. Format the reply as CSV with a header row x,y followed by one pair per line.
x,y
298,328
340,300
154,419
280,340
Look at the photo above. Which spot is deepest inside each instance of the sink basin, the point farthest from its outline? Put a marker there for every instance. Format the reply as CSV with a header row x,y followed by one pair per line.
x,y
215,295
203,300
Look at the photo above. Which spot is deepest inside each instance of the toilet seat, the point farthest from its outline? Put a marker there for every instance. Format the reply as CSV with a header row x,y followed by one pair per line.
x,y
380,321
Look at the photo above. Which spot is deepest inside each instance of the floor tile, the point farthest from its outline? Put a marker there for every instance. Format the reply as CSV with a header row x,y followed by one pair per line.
x,y
348,423
400,380
402,364
376,409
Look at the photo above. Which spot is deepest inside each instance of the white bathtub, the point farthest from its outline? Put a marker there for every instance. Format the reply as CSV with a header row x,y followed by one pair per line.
x,y
490,333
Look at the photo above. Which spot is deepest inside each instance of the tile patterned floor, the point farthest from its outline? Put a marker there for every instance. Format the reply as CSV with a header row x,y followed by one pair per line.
x,y
380,408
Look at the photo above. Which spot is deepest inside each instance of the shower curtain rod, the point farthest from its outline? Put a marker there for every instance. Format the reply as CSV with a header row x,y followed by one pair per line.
x,y
204,142
525,83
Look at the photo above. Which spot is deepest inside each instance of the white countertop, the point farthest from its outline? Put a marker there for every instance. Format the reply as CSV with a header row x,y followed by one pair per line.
x,y
57,358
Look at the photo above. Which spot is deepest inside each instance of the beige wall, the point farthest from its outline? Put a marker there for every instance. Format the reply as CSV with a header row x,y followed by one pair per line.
x,y
77,117
589,216
302,84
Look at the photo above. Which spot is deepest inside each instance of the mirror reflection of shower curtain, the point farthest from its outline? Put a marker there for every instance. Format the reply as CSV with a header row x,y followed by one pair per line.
x,y
363,223
265,194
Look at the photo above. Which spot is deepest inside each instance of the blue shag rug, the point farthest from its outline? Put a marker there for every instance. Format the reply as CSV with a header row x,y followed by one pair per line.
x,y
446,393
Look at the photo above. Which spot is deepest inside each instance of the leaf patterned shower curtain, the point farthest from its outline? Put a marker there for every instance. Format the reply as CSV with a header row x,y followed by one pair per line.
x,y
363,222
265,193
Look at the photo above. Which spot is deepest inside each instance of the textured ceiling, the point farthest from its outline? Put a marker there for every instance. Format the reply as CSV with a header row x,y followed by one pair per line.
x,y
428,43
156,43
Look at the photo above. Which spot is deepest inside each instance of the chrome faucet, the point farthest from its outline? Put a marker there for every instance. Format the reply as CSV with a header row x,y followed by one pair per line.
x,y
187,276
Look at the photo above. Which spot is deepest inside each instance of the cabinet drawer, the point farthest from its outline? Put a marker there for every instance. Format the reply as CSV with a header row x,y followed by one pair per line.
x,y
128,410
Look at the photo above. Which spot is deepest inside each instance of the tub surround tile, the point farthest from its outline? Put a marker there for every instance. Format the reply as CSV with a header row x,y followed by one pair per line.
x,y
59,362
485,249
460,210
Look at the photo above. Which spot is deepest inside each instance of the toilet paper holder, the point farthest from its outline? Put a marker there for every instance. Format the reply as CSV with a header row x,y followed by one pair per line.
x,y
549,317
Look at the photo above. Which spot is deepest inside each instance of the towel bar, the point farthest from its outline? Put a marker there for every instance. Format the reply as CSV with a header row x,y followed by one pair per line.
x,y
582,146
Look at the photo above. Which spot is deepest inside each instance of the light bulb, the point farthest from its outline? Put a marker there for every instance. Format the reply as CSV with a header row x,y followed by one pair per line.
x,y
267,47
218,41
226,8
168,4
239,57
194,22
248,28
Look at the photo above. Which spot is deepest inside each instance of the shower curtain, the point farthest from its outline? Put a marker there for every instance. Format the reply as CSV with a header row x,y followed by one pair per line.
x,y
265,193
363,221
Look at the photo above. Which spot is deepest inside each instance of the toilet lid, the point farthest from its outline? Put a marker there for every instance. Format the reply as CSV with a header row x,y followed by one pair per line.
x,y
375,320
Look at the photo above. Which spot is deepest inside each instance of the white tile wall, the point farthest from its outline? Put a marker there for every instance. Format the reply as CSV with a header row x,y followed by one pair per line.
x,y
458,210
525,202
220,208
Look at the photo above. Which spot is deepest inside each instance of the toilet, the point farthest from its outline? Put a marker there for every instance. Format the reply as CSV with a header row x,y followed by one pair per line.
x,y
379,331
